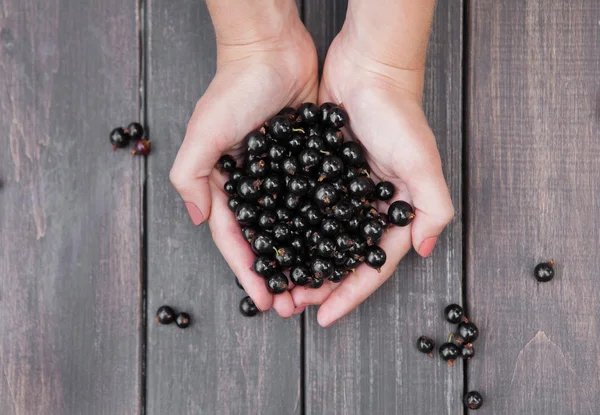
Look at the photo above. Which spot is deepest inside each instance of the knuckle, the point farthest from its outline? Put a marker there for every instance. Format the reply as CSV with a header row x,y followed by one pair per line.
x,y
177,178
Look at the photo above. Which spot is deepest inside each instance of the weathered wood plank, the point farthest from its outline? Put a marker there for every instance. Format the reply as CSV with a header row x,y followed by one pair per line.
x,y
224,363
367,363
533,154
70,298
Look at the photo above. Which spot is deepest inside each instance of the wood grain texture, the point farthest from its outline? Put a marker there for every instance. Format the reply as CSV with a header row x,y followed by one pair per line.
x,y
533,195
70,297
224,363
367,362
324,19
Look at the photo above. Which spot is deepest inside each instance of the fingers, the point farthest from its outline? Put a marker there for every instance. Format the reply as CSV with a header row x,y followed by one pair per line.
x,y
354,289
304,296
283,304
237,252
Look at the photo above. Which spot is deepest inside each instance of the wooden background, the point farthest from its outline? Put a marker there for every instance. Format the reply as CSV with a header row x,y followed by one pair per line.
x,y
92,242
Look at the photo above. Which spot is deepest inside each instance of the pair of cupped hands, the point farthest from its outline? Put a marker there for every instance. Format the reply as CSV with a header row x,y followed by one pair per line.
x,y
254,80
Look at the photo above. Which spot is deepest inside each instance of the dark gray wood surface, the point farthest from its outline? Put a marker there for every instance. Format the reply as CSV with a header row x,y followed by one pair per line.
x,y
70,297
533,151
224,363
367,362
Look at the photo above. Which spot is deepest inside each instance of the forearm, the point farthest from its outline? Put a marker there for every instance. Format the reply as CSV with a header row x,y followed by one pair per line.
x,y
394,32
242,22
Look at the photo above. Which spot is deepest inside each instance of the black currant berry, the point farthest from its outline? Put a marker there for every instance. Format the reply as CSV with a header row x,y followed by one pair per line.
x,y
230,187
165,315
330,226
298,185
326,248
333,138
297,244
262,244
246,213
316,282
257,168
285,257
280,127
454,313
359,246
343,242
248,308
337,117
309,160
135,131
267,202
264,266
425,345
314,215
449,352
473,400
544,272
467,351
277,283
339,258
277,152
372,230
233,203
292,201
315,143
236,174
289,112
308,113
141,148
272,185
467,332
321,268
324,110
384,191
338,275
256,143
249,232
313,238
300,224
375,257
383,220
331,168
118,138
353,224
296,143
290,166
183,320
249,188
343,210
352,154
300,275
326,195
282,232
401,213
283,214
361,187
352,263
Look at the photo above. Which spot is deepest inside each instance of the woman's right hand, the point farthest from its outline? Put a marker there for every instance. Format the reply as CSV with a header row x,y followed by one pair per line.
x,y
258,73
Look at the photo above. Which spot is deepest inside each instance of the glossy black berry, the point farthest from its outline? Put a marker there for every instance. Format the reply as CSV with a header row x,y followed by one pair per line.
x,y
267,202
248,308
308,113
333,138
280,127
118,138
359,246
300,275
246,213
352,154
183,320
274,166
300,224
233,203
339,258
326,195
331,168
401,213
135,131
277,152
353,224
352,263
316,282
282,232
330,227
337,117
309,160
289,112
372,230
544,272
236,174
326,248
292,201
425,345
383,220
298,185
283,214
315,143
375,257
285,256
473,400
449,352
230,187
249,188
165,315
257,168
297,244
337,275
141,148
454,313
272,185
315,129
384,191
321,268
290,166
249,232
343,242
262,244
313,238
343,210
314,215
277,283
296,143
264,265
349,173
324,110
361,187
467,332
467,351
256,143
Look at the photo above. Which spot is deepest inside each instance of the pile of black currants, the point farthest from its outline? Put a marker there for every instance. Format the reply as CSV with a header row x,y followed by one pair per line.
x,y
303,197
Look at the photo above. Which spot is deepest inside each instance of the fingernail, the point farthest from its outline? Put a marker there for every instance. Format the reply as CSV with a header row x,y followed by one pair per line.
x,y
194,213
427,246
330,324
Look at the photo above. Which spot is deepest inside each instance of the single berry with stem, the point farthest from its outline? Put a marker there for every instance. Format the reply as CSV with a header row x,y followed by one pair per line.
x,y
473,400
467,351
118,138
384,191
226,163
425,345
300,274
183,320
142,148
135,131
248,308
467,332
449,352
544,272
375,257
401,213
454,313
165,315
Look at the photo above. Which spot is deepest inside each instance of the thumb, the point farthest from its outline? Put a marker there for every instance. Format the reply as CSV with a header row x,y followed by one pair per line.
x,y
217,124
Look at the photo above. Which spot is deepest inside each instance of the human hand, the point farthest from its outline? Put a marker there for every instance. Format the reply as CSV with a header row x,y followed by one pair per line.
x,y
260,69
383,102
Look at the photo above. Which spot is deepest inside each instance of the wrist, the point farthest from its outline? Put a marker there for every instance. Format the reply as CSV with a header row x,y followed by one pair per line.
x,y
250,22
